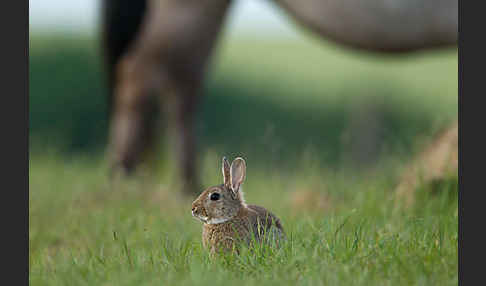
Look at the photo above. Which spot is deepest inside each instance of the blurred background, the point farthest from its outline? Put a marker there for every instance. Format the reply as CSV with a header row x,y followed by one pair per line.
x,y
273,93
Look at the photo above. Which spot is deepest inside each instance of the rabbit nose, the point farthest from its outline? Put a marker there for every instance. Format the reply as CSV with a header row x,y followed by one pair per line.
x,y
194,209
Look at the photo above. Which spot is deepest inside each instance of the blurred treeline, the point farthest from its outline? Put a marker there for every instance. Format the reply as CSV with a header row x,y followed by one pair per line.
x,y
270,100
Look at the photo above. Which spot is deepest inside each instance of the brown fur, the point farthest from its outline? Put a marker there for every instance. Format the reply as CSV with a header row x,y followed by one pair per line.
x,y
252,220
229,221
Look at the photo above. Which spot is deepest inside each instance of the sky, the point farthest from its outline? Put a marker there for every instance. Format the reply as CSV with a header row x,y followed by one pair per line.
x,y
246,16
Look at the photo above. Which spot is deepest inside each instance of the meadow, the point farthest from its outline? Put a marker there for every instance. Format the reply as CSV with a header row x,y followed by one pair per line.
x,y
325,132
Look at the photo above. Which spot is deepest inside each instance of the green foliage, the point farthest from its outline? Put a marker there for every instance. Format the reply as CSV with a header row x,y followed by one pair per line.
x,y
267,100
67,100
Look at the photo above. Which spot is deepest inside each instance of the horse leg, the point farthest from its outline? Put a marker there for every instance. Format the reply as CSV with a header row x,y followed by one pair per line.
x,y
166,62
133,119
183,110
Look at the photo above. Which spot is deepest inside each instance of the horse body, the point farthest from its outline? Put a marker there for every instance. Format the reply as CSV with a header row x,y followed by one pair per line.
x,y
379,25
157,52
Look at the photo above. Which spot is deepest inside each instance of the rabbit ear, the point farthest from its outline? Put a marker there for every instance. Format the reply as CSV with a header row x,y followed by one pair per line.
x,y
238,172
226,173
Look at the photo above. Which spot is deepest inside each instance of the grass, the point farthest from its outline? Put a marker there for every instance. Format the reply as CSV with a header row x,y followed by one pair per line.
x,y
82,232
324,130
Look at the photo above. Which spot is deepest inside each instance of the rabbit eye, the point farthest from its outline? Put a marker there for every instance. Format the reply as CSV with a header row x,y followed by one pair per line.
x,y
214,197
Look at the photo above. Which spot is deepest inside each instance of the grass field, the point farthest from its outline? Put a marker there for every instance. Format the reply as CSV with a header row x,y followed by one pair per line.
x,y
325,132
142,233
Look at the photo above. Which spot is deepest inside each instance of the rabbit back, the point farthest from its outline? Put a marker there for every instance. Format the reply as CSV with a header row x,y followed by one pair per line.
x,y
265,224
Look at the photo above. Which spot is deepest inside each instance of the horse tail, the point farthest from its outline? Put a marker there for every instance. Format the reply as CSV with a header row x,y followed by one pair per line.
x,y
121,21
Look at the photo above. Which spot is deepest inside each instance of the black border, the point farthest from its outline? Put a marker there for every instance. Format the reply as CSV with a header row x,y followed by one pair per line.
x,y
14,25
472,150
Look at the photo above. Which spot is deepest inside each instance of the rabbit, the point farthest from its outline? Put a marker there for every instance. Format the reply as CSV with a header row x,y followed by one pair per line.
x,y
228,220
